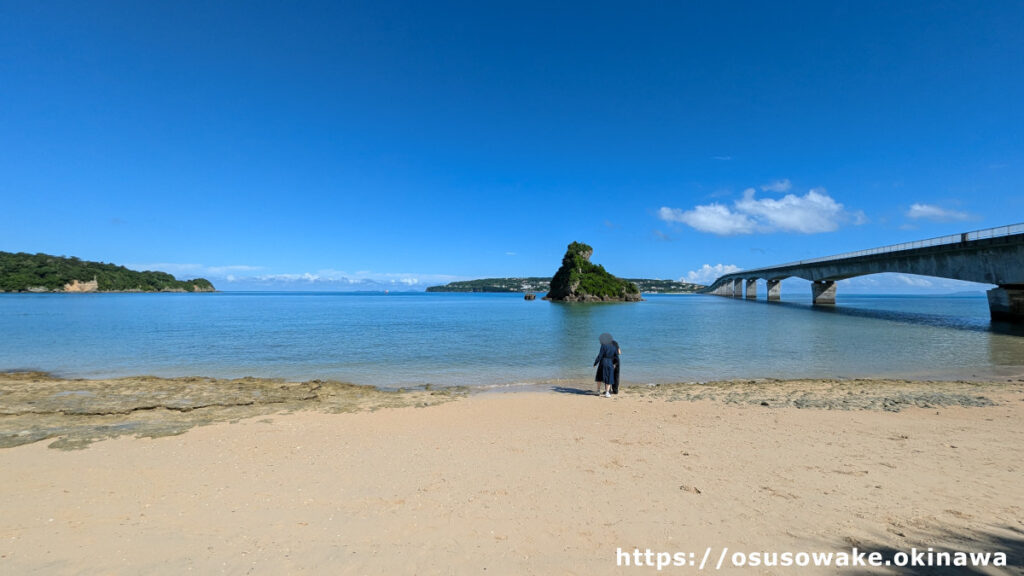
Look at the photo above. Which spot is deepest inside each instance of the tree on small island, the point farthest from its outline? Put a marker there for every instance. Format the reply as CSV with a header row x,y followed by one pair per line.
x,y
579,280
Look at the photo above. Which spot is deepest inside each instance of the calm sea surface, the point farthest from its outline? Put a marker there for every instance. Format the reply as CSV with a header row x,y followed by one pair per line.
x,y
400,340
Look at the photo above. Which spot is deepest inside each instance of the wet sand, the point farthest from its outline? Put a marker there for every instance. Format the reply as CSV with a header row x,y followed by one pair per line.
x,y
527,483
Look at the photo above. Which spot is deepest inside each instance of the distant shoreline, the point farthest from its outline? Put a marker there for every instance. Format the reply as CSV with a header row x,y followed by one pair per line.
x,y
539,284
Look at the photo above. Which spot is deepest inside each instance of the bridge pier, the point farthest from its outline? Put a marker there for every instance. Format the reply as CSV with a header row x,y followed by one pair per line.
x,y
994,257
1006,303
823,292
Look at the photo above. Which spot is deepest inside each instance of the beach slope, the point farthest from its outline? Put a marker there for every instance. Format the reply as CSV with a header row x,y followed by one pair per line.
x,y
526,483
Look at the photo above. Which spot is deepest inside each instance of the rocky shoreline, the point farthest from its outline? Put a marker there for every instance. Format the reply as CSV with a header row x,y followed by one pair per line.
x,y
36,406
73,413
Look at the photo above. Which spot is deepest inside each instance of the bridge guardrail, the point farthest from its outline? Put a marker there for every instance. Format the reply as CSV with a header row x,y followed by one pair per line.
x,y
997,232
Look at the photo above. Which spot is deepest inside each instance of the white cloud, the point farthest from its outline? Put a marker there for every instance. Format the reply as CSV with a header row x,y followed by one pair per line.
x,y
935,213
362,276
245,277
778,186
916,281
811,213
713,218
193,270
899,283
304,277
708,273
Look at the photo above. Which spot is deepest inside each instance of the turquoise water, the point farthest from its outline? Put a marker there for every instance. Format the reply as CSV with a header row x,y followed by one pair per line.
x,y
397,340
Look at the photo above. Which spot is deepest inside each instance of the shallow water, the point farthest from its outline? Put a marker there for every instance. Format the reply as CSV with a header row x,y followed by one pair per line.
x,y
401,340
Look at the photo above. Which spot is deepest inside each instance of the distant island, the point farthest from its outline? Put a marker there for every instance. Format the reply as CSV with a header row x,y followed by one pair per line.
x,y
543,284
22,272
591,282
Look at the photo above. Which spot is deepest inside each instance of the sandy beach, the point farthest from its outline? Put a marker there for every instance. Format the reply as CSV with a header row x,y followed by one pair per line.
x,y
555,482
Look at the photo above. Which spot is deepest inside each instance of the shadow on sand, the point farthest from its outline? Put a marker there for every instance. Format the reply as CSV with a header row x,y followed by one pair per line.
x,y
576,391
1006,540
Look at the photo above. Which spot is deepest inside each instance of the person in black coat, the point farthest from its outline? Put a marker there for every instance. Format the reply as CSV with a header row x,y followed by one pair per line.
x,y
607,356
599,376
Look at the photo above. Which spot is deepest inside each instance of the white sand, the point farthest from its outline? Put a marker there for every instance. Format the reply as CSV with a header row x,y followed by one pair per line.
x,y
531,483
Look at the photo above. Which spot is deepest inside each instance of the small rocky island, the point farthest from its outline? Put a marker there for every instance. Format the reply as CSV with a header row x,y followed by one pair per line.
x,y
580,280
22,272
543,284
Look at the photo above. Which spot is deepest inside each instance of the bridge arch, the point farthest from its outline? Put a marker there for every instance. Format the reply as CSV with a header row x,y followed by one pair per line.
x,y
990,256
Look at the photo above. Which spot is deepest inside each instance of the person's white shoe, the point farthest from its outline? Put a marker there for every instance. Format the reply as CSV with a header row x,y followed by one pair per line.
x,y
607,394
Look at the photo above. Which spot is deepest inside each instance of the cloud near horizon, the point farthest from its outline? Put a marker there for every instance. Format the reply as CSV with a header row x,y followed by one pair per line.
x,y
812,213
340,279
708,273
194,270
935,214
243,275
894,281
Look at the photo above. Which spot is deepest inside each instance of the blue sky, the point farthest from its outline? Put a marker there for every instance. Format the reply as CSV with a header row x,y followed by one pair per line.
x,y
306,145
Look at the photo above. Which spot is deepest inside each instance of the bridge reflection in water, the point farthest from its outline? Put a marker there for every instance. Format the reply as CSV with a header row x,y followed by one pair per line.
x,y
990,256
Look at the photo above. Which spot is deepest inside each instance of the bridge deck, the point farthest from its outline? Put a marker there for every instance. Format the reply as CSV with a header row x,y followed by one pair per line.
x,y
990,256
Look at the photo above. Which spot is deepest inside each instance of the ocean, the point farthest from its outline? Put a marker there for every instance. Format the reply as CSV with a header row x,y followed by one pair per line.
x,y
500,340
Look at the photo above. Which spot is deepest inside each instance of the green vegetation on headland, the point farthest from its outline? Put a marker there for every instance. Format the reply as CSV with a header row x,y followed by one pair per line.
x,y
543,284
23,272
580,280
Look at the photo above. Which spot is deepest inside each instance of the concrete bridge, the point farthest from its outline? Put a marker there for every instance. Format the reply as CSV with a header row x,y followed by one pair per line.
x,y
991,256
